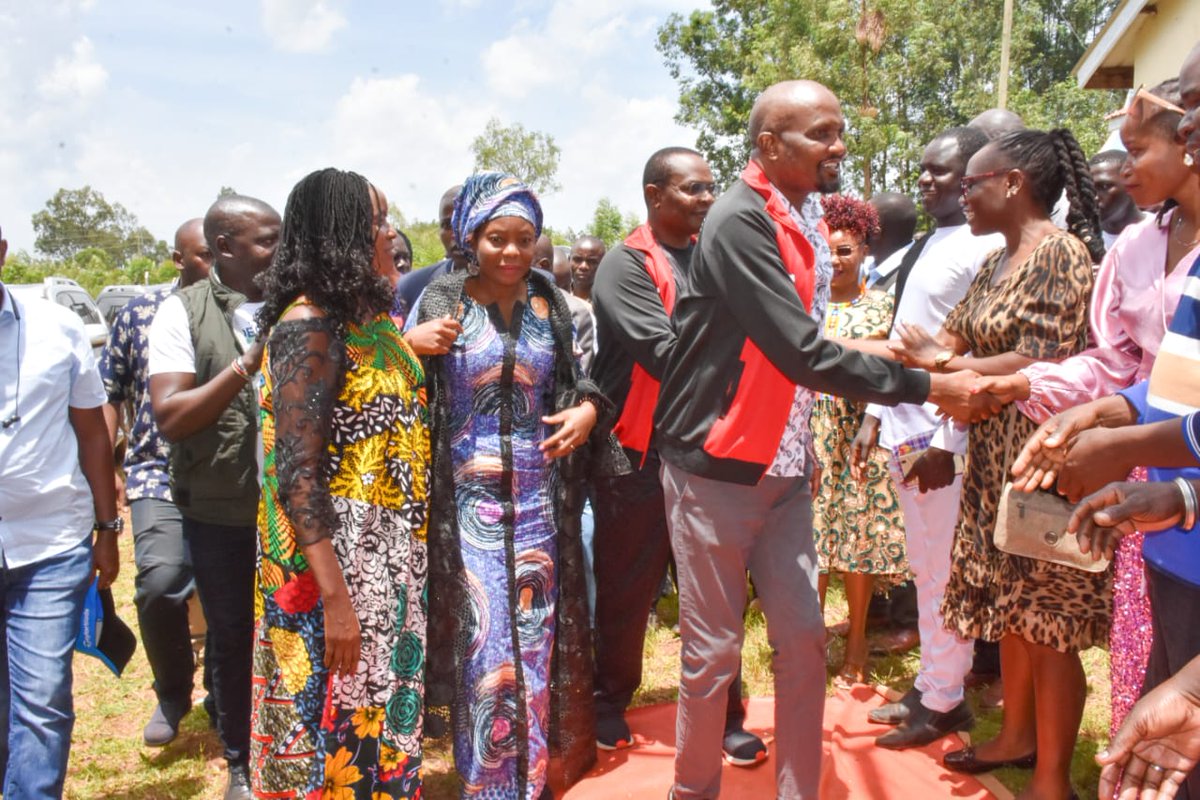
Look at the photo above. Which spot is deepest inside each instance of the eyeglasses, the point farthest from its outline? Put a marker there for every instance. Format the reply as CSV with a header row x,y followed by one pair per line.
x,y
698,188
844,250
1141,94
967,181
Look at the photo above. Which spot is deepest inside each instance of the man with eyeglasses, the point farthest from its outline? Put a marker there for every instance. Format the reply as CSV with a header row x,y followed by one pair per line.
x,y
932,278
634,295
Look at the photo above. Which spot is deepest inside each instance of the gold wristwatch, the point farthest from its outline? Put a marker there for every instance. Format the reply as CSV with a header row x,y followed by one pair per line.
x,y
942,359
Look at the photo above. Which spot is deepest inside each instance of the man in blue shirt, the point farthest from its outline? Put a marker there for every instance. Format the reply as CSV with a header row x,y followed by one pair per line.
x,y
164,570
56,488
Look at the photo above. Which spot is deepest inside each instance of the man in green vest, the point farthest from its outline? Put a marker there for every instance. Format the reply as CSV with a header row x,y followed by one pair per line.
x,y
204,354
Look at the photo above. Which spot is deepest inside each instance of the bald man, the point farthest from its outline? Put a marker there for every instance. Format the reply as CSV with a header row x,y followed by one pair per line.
x,y
732,430
897,224
204,353
996,122
164,570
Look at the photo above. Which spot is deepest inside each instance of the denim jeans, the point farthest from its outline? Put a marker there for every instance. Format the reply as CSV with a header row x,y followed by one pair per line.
x,y
40,604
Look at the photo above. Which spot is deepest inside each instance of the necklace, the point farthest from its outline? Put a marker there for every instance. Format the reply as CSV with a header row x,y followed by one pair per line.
x,y
1175,233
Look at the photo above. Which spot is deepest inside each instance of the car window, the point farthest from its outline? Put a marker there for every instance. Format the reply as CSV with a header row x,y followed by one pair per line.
x,y
82,305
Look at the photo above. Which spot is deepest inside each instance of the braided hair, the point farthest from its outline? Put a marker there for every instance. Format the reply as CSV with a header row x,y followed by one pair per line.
x,y
1054,161
326,252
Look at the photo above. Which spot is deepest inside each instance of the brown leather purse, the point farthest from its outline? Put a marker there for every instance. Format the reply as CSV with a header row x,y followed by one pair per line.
x,y
1034,525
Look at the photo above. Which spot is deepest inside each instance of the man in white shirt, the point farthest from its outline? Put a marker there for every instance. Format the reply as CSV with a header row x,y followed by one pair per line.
x,y
936,274
56,488
204,354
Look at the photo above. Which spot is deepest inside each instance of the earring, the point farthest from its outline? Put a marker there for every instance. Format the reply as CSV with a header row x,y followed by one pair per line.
x,y
472,266
1188,161
1010,193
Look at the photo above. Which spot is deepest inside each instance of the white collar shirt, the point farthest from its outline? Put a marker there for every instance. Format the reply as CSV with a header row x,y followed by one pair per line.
x,y
45,502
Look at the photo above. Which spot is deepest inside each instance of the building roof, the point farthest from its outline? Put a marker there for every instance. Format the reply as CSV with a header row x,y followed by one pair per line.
x,y
1108,62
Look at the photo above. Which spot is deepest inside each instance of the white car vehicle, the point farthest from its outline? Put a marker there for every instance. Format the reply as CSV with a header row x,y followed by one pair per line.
x,y
69,294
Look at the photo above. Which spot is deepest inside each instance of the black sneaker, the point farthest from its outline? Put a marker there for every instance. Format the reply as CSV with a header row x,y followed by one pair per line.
x,y
743,749
613,734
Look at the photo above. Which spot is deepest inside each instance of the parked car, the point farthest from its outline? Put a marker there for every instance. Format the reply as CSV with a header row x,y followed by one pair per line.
x,y
69,294
113,298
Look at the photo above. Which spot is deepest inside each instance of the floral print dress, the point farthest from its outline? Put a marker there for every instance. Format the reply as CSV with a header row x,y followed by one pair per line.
x,y
346,446
858,526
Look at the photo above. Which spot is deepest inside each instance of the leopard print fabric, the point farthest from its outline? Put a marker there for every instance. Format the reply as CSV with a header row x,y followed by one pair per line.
x,y
1038,310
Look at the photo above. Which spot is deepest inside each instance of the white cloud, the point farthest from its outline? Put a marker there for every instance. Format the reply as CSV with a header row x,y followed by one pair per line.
x,y
411,143
74,77
605,154
301,26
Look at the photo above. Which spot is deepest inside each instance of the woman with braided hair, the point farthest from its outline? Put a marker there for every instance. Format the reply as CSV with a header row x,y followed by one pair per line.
x,y
1028,303
1137,289
339,646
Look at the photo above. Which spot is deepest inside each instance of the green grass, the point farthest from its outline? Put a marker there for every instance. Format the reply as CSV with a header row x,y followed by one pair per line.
x,y
108,759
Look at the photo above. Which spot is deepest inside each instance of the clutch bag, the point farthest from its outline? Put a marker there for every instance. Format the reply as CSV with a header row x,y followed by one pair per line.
x,y
1034,525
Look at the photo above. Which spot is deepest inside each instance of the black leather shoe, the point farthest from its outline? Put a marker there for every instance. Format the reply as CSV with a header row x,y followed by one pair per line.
x,y
966,762
897,712
924,726
238,787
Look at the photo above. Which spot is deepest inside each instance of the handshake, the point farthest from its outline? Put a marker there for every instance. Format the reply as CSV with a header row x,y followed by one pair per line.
x,y
967,396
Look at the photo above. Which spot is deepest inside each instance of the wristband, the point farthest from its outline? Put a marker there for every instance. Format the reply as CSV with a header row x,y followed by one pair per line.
x,y
240,370
1189,503
115,525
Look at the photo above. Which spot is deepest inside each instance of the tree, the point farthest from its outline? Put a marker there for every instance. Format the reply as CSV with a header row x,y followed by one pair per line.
x,y
609,224
904,70
530,155
75,220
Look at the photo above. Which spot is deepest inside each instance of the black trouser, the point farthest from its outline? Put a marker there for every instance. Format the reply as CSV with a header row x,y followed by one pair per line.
x,y
631,551
1173,606
223,565
161,590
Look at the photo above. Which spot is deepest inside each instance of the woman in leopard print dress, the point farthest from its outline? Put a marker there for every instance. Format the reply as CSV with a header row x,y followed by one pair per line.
x,y
1028,303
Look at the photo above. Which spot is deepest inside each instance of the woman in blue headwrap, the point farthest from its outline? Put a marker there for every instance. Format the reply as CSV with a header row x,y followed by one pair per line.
x,y
515,431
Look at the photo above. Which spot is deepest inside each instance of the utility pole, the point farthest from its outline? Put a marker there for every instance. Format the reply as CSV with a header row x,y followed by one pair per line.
x,y
1005,44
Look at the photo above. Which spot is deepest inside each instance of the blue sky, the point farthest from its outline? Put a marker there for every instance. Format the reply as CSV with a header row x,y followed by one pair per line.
x,y
159,104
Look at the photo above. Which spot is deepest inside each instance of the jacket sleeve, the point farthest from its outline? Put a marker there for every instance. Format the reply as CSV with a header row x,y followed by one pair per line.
x,y
740,260
629,310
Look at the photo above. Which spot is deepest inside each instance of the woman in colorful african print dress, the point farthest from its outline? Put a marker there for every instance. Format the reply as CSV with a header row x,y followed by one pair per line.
x,y
511,420
856,517
340,634
1028,303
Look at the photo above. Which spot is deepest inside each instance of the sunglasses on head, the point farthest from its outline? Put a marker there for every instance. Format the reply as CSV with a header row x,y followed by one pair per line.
x,y
1145,95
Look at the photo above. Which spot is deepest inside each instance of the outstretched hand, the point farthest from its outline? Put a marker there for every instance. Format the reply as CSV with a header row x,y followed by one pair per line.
x,y
916,346
1005,388
1158,744
1038,464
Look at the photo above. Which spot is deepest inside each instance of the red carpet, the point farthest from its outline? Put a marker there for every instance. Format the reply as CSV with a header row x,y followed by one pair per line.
x,y
853,768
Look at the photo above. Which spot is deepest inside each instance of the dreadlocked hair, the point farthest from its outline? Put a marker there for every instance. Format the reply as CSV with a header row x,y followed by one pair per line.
x,y
1053,162
848,214
326,252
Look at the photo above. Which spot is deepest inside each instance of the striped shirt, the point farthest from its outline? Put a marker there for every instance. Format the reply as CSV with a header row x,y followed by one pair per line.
x,y
1173,391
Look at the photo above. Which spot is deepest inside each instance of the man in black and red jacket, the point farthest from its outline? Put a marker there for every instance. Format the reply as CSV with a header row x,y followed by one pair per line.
x,y
731,426
633,295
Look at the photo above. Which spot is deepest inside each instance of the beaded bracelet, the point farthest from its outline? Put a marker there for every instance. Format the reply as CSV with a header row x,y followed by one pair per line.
x,y
239,369
1189,503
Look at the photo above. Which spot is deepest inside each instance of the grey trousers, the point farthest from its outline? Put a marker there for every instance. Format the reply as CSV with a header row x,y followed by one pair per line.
x,y
719,531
